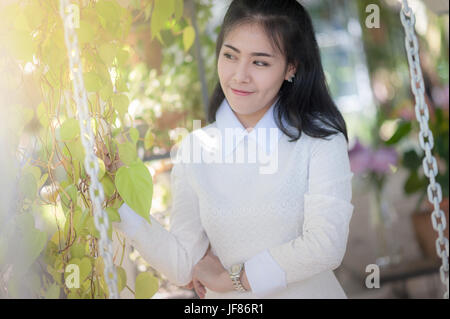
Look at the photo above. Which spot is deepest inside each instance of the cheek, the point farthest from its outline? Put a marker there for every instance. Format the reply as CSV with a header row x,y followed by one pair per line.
x,y
222,71
272,81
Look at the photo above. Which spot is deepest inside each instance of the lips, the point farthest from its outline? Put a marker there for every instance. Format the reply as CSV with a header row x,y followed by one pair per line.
x,y
242,93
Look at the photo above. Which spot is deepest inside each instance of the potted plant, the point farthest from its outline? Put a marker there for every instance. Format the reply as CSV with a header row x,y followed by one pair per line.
x,y
375,164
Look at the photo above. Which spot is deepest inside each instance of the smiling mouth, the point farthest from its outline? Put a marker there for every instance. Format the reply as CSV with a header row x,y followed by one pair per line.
x,y
241,93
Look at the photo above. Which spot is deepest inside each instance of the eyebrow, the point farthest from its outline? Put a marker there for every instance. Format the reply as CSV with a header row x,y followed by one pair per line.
x,y
252,54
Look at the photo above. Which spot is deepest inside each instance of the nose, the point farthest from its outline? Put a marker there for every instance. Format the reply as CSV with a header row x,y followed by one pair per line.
x,y
241,74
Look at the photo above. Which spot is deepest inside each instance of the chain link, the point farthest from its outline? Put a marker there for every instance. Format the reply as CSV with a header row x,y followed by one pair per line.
x,y
434,190
87,138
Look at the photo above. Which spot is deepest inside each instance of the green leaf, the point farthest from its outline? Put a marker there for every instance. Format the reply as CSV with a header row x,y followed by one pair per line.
x,y
53,53
73,294
74,149
179,9
86,32
113,214
120,103
36,240
99,265
122,56
57,276
188,37
121,278
162,12
101,168
32,241
22,45
90,225
92,81
109,13
127,153
411,160
41,113
414,183
25,222
20,23
79,220
53,292
402,131
26,114
69,130
85,267
149,139
135,186
42,180
34,170
107,52
134,134
108,186
146,285
70,195
35,14
92,230
77,250
28,186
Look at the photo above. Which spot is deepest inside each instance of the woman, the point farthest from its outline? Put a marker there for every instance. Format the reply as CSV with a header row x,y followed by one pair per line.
x,y
276,230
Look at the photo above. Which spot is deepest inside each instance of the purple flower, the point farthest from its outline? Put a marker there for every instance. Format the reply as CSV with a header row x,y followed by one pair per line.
x,y
382,159
359,158
363,159
440,97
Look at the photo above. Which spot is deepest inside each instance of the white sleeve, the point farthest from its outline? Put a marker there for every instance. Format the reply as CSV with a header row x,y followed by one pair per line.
x,y
327,214
264,275
173,253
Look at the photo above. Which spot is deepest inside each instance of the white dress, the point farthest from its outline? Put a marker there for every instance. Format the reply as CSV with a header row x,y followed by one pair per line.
x,y
288,222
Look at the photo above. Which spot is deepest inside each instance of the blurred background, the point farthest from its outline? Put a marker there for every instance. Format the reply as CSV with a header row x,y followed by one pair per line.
x,y
153,74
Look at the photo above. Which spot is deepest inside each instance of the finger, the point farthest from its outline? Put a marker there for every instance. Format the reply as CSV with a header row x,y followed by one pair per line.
x,y
197,289
201,291
189,285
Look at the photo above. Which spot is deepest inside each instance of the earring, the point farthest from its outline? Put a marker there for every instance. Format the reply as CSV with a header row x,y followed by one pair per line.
x,y
291,80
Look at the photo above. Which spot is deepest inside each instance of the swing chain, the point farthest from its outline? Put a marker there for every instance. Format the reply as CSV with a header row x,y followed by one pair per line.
x,y
434,190
96,192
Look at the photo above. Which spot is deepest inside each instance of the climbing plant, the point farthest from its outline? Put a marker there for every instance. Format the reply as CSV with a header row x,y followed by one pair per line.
x,y
49,235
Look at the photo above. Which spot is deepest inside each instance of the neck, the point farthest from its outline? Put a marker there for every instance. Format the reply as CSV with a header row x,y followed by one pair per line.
x,y
249,121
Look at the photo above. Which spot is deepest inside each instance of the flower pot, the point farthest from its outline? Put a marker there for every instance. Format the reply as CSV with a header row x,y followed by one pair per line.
x,y
425,234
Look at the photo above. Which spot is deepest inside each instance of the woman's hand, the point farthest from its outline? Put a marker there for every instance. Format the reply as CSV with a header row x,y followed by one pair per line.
x,y
209,272
199,289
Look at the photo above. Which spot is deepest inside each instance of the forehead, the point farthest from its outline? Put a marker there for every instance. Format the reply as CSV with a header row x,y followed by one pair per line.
x,y
250,38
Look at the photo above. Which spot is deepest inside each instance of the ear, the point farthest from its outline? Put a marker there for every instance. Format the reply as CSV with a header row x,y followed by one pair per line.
x,y
291,70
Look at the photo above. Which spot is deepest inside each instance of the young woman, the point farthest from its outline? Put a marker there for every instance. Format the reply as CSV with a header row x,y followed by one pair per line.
x,y
276,230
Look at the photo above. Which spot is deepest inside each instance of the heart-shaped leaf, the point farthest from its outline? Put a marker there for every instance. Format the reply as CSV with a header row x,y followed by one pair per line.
x,y
135,186
121,278
69,129
85,267
127,153
146,285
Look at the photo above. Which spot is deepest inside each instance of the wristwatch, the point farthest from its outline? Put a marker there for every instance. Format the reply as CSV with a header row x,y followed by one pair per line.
x,y
235,275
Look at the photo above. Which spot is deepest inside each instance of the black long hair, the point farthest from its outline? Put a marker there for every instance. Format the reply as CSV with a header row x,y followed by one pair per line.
x,y
306,104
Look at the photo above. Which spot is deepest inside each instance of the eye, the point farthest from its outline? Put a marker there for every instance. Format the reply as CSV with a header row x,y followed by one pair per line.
x,y
262,63
228,56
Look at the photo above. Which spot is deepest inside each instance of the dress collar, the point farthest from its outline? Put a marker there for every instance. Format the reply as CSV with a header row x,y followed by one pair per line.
x,y
227,120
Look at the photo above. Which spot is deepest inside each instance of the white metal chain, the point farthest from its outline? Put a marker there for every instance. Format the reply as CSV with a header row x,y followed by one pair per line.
x,y
426,141
87,138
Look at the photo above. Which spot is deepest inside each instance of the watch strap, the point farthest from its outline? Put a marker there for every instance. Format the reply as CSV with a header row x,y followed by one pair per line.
x,y
236,279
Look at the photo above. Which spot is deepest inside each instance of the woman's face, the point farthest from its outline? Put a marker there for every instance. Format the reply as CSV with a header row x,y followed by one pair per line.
x,y
247,62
